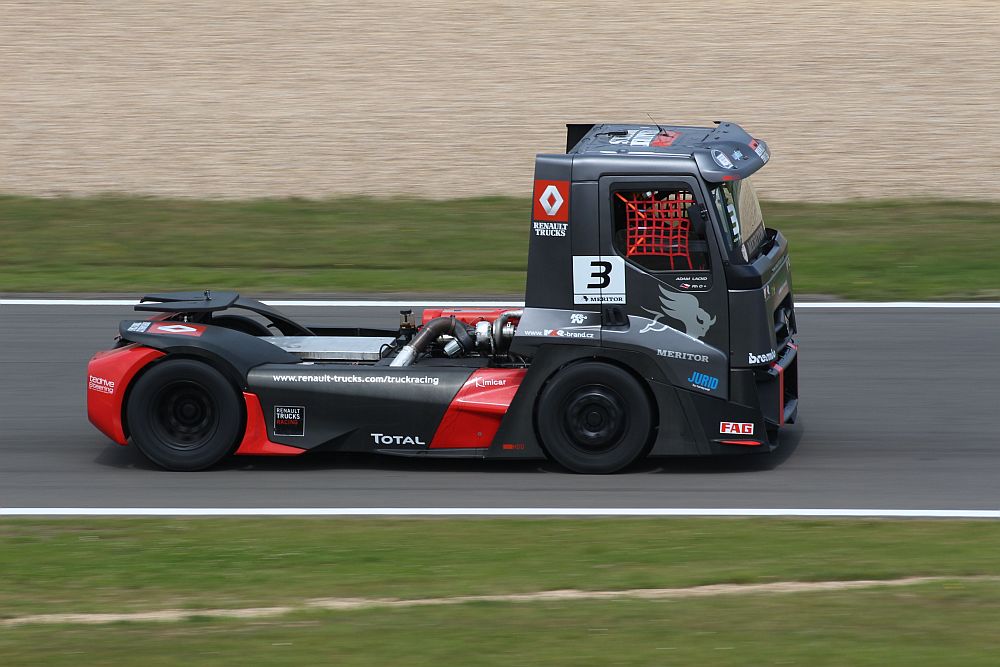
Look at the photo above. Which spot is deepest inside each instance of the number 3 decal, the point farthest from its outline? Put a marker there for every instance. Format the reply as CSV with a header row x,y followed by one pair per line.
x,y
602,274
598,279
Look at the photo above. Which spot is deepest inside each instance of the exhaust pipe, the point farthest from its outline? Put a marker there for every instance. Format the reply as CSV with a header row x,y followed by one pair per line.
x,y
439,326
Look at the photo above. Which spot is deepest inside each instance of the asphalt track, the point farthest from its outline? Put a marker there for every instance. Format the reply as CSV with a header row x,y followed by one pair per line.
x,y
899,409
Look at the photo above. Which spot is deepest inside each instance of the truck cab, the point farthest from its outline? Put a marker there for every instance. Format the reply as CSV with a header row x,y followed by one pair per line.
x,y
648,244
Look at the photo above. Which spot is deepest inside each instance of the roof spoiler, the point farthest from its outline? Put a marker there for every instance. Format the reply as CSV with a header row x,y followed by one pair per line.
x,y
575,132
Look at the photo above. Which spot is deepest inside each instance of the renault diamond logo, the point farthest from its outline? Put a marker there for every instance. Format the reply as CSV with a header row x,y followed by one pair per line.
x,y
175,328
551,200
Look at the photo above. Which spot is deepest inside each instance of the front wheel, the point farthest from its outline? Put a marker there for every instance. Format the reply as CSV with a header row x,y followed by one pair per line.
x,y
593,417
183,415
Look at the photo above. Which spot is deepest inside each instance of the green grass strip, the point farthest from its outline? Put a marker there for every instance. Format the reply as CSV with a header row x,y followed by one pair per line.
x,y
862,249
928,625
122,565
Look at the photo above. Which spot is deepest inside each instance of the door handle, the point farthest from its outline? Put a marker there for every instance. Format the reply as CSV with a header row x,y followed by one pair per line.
x,y
614,316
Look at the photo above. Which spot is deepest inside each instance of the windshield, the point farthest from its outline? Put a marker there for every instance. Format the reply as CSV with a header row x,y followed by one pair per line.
x,y
739,210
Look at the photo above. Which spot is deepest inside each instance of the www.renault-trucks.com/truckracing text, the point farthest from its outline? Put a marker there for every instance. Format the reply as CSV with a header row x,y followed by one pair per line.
x,y
657,320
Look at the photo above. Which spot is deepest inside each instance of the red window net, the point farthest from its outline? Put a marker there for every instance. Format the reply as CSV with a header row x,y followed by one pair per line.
x,y
657,225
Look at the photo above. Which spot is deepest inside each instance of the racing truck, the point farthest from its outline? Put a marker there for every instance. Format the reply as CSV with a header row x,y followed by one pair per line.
x,y
658,319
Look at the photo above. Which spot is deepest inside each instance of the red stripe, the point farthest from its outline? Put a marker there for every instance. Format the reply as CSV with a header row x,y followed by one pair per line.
x,y
255,441
470,316
749,443
475,413
781,393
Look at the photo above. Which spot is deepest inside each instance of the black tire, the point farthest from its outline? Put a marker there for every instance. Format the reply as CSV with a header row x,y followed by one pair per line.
x,y
594,417
183,414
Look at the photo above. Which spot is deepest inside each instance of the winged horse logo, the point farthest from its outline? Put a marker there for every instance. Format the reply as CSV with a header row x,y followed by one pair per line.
x,y
683,307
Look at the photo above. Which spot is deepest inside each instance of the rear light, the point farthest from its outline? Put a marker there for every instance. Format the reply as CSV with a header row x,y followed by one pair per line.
x,y
722,159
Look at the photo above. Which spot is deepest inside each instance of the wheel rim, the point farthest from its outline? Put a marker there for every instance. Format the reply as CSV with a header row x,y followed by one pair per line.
x,y
184,415
595,418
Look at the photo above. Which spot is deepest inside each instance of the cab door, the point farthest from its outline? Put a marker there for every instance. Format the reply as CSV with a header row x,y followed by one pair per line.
x,y
657,232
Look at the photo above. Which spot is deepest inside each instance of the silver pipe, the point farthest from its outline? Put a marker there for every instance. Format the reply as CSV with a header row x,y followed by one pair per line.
x,y
430,332
405,357
499,324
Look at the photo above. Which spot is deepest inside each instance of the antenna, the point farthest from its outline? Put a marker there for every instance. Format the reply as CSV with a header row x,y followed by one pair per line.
x,y
658,126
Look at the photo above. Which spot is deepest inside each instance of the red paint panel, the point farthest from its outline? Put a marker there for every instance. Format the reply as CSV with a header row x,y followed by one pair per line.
x,y
665,139
475,413
551,201
255,441
108,375
468,315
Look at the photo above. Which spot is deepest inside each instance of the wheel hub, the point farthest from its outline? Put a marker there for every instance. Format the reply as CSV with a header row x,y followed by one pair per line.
x,y
184,415
595,418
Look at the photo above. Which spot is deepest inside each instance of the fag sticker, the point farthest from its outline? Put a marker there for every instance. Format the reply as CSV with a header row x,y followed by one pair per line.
x,y
736,428
289,420
551,201
177,329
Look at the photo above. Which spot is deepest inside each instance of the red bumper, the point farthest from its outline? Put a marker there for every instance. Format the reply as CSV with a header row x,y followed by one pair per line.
x,y
108,377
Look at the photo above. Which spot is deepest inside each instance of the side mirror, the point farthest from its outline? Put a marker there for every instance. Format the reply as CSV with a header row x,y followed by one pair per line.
x,y
698,216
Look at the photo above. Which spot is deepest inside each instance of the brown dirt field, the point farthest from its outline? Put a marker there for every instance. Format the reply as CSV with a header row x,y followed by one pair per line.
x,y
264,98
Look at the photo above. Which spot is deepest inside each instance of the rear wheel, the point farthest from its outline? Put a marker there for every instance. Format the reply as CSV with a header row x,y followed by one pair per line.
x,y
594,418
184,415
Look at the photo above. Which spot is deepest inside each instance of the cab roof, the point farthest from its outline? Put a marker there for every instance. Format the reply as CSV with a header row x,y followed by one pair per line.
x,y
725,152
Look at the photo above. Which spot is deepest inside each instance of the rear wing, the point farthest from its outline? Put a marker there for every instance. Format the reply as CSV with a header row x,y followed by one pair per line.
x,y
200,306
725,152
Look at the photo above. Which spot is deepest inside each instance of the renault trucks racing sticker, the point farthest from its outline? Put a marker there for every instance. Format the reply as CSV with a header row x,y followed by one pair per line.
x,y
289,420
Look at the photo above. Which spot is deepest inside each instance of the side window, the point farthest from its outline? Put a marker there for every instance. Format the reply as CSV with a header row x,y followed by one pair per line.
x,y
726,206
654,230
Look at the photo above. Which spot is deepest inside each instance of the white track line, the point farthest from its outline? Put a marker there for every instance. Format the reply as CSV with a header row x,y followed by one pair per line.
x,y
347,303
496,511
